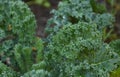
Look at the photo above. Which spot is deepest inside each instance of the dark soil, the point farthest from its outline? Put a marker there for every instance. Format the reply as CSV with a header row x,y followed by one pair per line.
x,y
42,14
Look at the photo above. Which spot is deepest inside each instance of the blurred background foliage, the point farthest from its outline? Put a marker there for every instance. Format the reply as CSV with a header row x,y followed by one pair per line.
x,y
44,3
112,6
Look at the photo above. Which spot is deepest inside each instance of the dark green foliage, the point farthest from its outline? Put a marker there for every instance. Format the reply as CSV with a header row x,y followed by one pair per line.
x,y
77,50
73,11
17,38
23,57
76,45
98,7
17,25
40,65
37,73
116,45
6,71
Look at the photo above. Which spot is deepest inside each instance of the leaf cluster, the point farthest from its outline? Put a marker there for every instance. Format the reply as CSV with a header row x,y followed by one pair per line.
x,y
73,11
75,44
78,50
19,48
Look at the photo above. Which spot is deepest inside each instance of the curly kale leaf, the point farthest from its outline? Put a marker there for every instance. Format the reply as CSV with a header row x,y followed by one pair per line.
x,y
73,11
77,50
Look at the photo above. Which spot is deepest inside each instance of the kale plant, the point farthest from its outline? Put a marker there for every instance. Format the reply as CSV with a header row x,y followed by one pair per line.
x,y
73,11
17,25
6,71
116,46
78,51
18,42
76,46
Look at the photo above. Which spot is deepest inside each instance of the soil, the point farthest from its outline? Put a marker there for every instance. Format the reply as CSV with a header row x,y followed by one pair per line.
x,y
42,14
